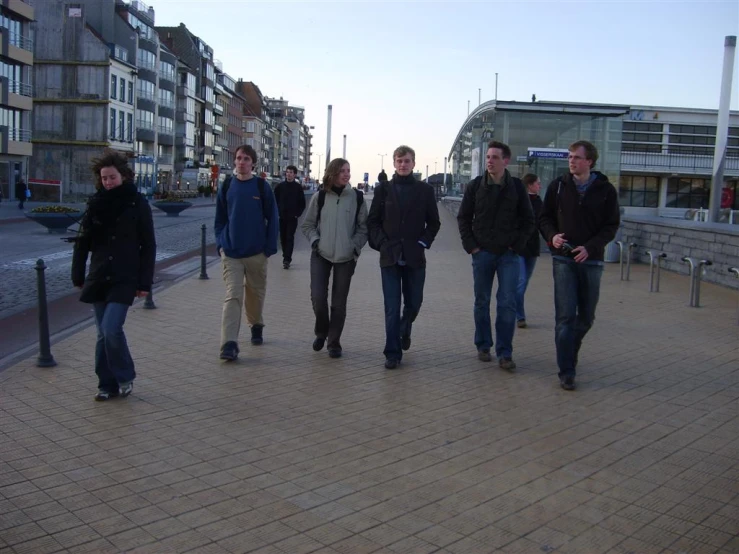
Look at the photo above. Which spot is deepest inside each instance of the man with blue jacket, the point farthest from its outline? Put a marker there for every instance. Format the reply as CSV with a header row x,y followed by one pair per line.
x,y
246,235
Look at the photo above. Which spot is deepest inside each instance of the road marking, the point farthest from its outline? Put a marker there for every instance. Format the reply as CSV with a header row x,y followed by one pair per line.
x,y
24,264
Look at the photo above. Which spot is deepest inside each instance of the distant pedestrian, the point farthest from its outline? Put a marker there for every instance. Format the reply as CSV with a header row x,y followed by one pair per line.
x,y
580,216
336,228
382,177
495,222
531,251
290,205
118,231
21,193
246,235
402,223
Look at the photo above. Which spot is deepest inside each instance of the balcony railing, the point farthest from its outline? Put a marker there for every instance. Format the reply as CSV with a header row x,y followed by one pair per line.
x,y
146,64
670,161
165,130
19,135
16,87
167,74
146,95
167,103
218,129
146,125
21,41
166,160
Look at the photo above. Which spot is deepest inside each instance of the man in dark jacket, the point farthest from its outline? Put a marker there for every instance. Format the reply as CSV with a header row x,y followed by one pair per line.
x,y
531,251
290,204
20,193
402,223
580,216
382,177
495,223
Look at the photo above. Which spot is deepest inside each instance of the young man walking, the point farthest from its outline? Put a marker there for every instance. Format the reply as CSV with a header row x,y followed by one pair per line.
x,y
402,223
290,205
495,222
246,235
580,216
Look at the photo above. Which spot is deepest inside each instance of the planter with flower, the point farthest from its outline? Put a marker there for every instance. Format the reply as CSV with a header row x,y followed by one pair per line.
x,y
55,218
172,206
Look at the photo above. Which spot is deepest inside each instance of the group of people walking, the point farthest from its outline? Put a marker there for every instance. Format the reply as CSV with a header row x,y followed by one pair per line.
x,y
500,219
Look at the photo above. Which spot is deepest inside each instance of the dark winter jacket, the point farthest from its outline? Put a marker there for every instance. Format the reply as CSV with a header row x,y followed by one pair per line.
x,y
118,231
495,222
382,177
532,248
20,190
290,199
397,222
590,221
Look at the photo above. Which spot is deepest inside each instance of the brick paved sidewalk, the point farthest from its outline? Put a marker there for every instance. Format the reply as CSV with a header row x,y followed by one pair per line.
x,y
290,451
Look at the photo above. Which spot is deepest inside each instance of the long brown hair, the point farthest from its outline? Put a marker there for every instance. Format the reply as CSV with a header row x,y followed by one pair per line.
x,y
332,172
111,158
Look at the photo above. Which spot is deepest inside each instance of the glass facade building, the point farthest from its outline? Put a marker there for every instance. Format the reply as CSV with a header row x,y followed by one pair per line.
x,y
538,134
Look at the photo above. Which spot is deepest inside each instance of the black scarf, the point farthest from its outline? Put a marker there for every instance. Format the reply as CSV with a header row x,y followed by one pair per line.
x,y
105,206
338,190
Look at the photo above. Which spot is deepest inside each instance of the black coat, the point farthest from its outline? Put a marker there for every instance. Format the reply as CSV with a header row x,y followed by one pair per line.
x,y
591,221
290,199
395,231
20,190
533,247
122,252
495,222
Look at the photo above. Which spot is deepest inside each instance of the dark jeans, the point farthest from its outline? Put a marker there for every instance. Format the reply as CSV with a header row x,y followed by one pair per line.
x,y
407,281
484,267
524,276
288,225
576,291
330,326
20,203
113,363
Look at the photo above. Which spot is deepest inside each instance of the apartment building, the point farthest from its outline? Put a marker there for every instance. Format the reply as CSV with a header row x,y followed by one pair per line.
x,y
233,104
16,93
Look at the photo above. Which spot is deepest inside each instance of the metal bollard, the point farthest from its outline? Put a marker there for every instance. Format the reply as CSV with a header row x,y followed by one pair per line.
x,y
632,245
149,300
621,257
45,359
652,260
697,279
203,273
735,271
691,272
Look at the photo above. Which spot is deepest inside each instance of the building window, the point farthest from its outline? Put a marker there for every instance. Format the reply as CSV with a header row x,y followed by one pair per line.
x,y
121,125
130,92
639,190
130,127
113,86
122,94
112,123
683,192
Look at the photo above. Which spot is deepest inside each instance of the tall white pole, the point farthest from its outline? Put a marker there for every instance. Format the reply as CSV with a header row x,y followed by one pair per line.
x,y
496,87
427,173
479,96
445,174
328,136
722,129
382,158
468,108
319,168
343,155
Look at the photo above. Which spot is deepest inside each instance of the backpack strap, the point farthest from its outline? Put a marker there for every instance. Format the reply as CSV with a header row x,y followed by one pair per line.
x,y
322,201
261,184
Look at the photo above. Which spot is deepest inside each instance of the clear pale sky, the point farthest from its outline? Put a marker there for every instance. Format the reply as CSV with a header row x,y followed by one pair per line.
x,y
402,72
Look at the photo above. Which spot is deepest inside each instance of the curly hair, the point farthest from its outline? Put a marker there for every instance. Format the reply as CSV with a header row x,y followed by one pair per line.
x,y
332,172
111,158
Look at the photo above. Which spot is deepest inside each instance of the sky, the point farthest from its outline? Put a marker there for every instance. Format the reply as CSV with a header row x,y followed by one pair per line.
x,y
404,72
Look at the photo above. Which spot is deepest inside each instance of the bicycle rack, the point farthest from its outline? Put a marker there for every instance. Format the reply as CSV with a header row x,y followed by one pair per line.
x,y
652,259
735,271
630,247
695,272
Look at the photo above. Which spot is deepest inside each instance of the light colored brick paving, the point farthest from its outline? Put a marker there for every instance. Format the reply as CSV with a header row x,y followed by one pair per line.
x,y
290,451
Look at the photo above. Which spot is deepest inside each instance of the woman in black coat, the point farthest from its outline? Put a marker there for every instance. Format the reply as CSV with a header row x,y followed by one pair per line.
x,y
118,231
530,254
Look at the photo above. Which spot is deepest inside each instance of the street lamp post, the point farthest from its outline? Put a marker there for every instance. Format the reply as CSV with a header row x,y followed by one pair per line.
x,y
382,158
319,166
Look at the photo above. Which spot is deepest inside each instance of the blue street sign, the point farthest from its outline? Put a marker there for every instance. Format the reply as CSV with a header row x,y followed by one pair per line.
x,y
549,153
366,177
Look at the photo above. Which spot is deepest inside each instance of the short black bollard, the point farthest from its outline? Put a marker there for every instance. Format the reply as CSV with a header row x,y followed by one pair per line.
x,y
149,301
203,273
45,359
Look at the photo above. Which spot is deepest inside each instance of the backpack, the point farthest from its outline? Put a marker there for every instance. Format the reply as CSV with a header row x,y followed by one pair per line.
x,y
322,201
261,184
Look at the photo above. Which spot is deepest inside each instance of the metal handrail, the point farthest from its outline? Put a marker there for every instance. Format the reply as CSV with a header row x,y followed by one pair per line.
x,y
21,41
652,259
696,269
697,278
18,87
630,246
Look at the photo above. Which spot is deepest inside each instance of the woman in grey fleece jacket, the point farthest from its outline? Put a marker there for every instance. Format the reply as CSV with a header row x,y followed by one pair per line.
x,y
337,232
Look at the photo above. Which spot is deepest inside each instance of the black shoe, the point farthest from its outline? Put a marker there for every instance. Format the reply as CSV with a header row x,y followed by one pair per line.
x,y
256,334
507,363
318,344
125,389
392,363
104,395
229,351
405,342
285,265
567,382
484,355
334,352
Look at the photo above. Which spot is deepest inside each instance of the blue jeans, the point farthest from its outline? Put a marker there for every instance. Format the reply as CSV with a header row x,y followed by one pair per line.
x,y
576,292
408,281
484,267
525,272
113,362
